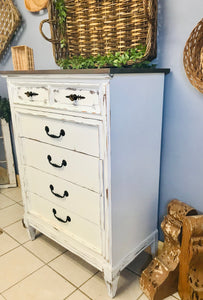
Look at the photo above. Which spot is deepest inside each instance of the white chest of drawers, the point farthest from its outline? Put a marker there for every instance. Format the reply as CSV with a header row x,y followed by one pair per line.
x,y
89,167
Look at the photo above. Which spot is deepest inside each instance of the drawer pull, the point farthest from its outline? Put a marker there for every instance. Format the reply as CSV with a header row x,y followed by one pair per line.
x,y
68,219
74,97
62,133
30,94
65,194
64,163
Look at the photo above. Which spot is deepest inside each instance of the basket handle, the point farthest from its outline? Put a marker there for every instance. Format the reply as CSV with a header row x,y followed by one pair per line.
x,y
148,9
41,31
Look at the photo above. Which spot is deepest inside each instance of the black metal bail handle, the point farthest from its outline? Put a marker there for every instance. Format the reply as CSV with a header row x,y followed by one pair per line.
x,y
68,219
64,163
30,94
65,194
62,133
74,97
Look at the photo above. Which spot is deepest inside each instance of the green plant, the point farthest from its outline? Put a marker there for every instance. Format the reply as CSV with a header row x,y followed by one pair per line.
x,y
116,59
61,10
5,112
62,13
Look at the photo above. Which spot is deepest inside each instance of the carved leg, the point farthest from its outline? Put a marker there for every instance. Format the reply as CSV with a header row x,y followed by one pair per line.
x,y
31,232
111,283
154,245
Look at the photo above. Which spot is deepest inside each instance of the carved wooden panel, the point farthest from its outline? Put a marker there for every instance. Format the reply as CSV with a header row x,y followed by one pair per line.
x,y
160,278
190,285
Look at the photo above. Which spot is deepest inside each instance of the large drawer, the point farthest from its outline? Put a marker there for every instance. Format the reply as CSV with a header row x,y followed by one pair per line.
x,y
72,134
65,222
75,167
74,198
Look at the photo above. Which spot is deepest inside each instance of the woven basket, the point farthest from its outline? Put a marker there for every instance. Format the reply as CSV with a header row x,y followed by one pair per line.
x,y
9,20
22,57
102,26
193,57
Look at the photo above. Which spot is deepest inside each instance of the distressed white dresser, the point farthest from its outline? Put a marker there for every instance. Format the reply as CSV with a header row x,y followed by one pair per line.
x,y
88,149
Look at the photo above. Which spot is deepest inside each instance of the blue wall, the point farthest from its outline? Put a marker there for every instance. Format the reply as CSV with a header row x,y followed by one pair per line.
x,y
182,146
182,151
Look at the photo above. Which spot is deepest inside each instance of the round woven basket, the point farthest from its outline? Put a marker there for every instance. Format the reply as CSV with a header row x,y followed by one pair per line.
x,y
193,57
35,5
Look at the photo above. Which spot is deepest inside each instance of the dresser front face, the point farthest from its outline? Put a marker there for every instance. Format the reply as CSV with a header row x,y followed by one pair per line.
x,y
59,139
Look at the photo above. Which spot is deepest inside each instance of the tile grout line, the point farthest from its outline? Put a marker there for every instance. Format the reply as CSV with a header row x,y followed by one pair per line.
x,y
47,263
88,279
66,298
85,294
8,205
13,223
12,236
10,198
44,263
21,280
1,255
140,296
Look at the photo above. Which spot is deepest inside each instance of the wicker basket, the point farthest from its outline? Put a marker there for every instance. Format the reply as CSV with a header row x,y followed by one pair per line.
x,y
193,57
22,57
9,19
103,26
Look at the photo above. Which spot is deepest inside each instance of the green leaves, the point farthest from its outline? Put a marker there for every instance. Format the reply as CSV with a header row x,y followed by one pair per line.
x,y
63,43
62,12
117,59
5,112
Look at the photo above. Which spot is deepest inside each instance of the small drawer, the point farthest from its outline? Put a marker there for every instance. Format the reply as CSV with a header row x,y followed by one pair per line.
x,y
72,134
65,222
72,197
75,167
77,99
31,95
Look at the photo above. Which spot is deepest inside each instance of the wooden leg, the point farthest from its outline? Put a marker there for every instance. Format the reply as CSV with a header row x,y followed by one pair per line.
x,y
31,232
112,284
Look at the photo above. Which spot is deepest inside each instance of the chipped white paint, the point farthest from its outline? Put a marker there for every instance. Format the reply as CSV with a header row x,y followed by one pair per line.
x,y
112,150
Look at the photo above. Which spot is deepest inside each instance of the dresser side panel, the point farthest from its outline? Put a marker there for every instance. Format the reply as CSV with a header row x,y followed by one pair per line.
x,y
136,124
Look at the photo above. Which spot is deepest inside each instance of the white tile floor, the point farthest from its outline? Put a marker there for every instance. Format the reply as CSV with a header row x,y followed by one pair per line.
x,y
43,270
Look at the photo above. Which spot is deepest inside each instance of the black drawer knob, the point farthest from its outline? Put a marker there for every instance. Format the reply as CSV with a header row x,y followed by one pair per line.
x,y
30,94
74,97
